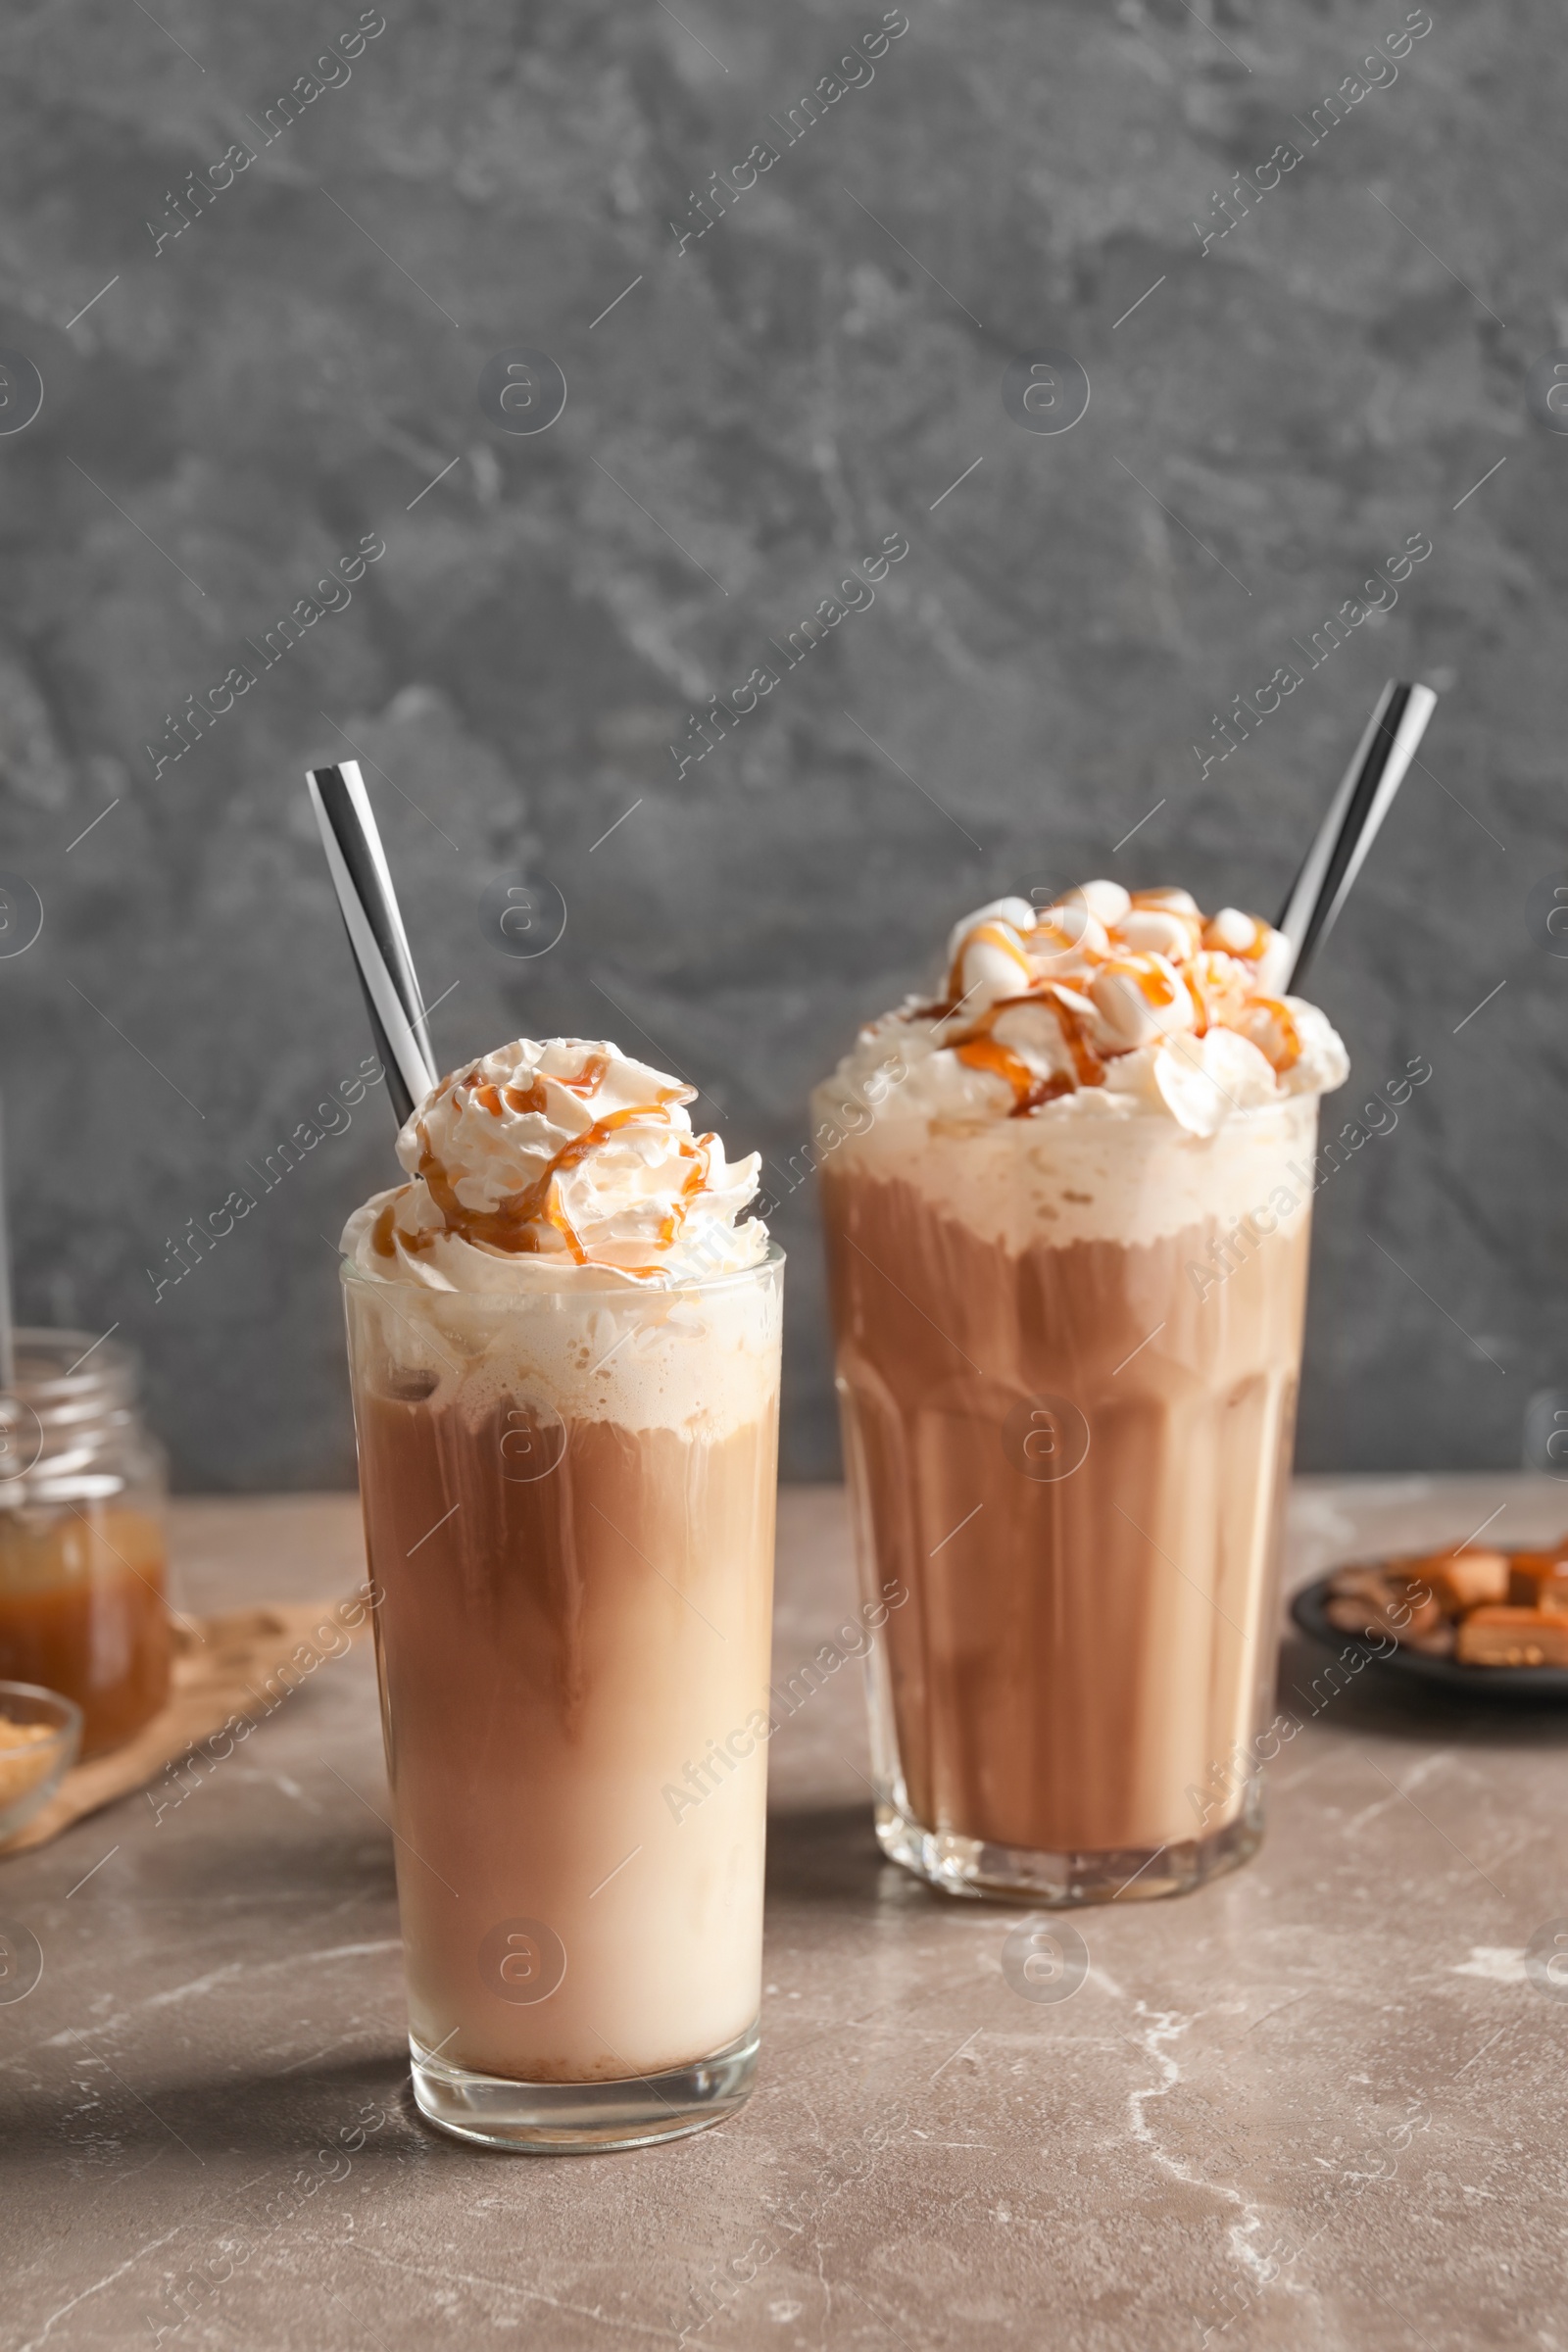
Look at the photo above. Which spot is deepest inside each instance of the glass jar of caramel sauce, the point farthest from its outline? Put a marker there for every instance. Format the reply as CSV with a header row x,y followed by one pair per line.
x,y
82,1488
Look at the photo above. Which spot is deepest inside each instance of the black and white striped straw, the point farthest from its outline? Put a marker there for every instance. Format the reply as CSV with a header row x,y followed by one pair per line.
x,y
363,881
1349,829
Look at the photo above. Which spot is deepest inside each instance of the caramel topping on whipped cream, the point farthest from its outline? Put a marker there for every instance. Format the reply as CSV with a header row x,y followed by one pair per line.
x,y
560,1158
1131,993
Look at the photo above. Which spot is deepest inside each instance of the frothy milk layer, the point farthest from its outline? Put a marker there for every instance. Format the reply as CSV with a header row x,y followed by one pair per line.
x,y
1100,1167
700,1361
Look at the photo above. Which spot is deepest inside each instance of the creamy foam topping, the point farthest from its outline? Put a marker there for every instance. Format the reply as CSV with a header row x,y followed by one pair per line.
x,y
1107,1001
558,1162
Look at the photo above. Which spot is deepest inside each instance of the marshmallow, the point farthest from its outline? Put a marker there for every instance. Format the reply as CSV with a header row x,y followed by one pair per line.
x,y
1257,943
1174,901
1235,933
1272,968
1108,900
1018,912
1156,931
1034,1033
1093,989
1073,922
1268,1023
1139,998
1222,984
991,964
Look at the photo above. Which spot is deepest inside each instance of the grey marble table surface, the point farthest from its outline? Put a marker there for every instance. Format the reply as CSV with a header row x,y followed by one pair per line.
x,y
1318,2103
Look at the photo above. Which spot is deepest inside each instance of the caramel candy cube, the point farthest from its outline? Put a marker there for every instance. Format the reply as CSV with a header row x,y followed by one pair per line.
x,y
1359,1584
1373,1602
1463,1580
1538,1579
1351,1613
1504,1637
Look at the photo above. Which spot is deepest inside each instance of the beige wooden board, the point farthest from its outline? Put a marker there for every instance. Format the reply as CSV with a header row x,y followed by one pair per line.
x,y
227,1669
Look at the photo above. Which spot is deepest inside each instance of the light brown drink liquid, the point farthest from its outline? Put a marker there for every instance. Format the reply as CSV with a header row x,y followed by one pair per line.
x,y
1079,1655
554,1650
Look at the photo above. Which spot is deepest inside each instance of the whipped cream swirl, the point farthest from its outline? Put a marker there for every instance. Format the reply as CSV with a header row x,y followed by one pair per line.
x,y
558,1162
1103,1003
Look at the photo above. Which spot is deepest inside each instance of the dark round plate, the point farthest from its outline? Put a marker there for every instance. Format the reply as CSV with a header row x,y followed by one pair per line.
x,y
1507,1686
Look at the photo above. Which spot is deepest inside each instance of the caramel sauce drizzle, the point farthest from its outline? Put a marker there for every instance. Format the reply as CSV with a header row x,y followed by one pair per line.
x,y
984,1052
514,1225
533,1096
1052,940
1285,1022
981,1051
1218,1000
508,1226
700,1152
1089,1068
1150,981
1201,1021
991,934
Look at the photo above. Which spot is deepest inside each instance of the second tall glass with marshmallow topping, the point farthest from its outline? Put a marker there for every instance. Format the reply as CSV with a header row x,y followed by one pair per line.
x,y
1068,1206
565,1344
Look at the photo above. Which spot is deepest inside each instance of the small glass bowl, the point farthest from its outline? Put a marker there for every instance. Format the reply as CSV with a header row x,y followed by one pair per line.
x,y
31,1770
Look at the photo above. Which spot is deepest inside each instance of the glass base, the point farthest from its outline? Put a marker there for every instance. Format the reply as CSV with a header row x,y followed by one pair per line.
x,y
973,1867
587,2119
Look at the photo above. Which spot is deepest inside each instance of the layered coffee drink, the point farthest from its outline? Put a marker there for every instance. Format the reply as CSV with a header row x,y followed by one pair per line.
x,y
564,1334
1067,1202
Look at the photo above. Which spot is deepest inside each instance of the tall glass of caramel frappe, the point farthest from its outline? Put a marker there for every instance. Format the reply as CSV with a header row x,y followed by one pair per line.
x,y
1067,1203
564,1343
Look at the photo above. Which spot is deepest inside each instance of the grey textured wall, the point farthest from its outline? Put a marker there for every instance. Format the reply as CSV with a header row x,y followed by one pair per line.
x,y
1273,412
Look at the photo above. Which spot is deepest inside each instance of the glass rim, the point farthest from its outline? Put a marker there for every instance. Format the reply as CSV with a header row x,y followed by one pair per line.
x,y
63,1714
509,1301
